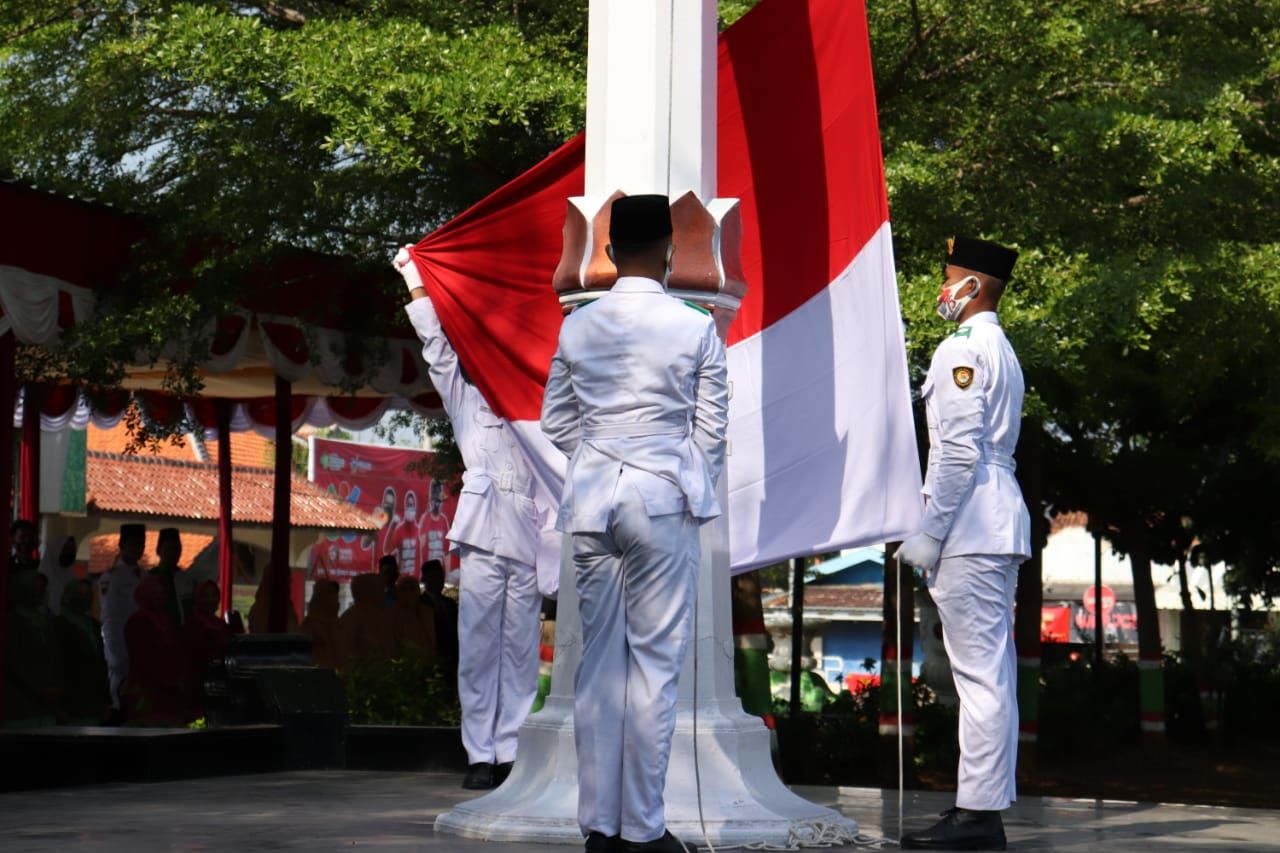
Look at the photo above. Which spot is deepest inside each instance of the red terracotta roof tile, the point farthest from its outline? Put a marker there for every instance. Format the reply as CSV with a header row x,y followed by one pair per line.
x,y
1062,520
247,448
165,488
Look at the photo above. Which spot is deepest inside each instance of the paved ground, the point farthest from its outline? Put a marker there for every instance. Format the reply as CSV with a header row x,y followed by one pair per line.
x,y
333,810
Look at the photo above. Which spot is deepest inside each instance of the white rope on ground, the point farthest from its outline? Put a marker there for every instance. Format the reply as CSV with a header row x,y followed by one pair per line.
x,y
809,834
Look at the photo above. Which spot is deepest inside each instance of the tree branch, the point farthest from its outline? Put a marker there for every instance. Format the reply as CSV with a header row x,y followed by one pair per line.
x,y
283,13
917,48
66,13
944,71
187,112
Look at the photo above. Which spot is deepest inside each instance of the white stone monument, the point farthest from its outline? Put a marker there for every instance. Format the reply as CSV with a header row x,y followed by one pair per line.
x,y
651,113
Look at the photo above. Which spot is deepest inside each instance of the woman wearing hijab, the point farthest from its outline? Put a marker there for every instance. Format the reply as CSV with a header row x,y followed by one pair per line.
x,y
32,669
86,699
321,624
204,637
154,691
260,612
412,623
365,629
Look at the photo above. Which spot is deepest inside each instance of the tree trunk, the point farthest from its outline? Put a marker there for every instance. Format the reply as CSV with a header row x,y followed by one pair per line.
x,y
751,647
1030,592
1150,653
1189,620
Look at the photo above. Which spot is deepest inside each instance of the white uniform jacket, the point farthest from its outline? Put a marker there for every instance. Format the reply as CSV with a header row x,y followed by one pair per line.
x,y
501,509
116,588
973,401
638,381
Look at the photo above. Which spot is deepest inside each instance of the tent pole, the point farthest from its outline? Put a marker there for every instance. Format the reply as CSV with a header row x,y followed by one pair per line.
x,y
278,622
226,542
797,633
29,465
8,387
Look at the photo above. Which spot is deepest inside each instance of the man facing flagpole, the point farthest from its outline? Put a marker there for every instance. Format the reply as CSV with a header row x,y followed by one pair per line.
x,y
637,397
498,530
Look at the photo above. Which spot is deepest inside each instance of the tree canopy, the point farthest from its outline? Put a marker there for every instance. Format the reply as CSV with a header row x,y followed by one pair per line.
x,y
1129,148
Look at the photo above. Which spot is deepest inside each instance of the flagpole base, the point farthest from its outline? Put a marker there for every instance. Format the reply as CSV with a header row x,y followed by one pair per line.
x,y
730,795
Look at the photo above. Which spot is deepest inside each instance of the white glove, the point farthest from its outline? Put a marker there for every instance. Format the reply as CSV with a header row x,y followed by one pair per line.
x,y
921,551
407,268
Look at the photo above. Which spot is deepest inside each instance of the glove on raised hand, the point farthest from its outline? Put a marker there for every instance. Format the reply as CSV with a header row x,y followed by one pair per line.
x,y
921,551
407,268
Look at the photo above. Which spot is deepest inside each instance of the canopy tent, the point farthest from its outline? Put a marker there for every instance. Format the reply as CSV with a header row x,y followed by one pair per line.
x,y
266,369
45,288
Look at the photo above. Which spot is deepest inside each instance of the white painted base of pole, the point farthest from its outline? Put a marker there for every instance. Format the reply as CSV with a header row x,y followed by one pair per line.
x,y
743,801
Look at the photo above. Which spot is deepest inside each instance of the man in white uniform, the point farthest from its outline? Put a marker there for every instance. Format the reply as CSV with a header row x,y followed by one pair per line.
x,y
975,534
497,529
116,588
637,397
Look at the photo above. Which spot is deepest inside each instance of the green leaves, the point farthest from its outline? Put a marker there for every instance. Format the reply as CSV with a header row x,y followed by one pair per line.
x,y
352,131
1129,150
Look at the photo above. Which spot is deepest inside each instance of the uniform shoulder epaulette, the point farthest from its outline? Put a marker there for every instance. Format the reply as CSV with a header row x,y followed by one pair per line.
x,y
696,307
962,332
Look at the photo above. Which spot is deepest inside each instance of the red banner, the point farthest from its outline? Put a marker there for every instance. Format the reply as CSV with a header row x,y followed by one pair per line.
x,y
412,510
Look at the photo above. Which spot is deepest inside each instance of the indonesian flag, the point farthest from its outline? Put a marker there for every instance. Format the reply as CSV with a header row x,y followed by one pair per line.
x,y
822,451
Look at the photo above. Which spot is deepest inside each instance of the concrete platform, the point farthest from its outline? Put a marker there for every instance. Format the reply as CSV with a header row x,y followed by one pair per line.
x,y
348,810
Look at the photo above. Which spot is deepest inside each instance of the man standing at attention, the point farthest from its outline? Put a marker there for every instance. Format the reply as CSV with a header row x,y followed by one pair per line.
x,y
637,397
497,528
975,534
116,587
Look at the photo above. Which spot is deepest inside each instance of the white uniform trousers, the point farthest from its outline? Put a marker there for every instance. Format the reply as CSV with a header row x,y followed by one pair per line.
x,y
636,586
498,634
115,680
974,594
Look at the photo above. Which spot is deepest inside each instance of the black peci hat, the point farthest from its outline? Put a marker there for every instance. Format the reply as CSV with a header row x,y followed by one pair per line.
x,y
168,534
132,531
636,220
981,256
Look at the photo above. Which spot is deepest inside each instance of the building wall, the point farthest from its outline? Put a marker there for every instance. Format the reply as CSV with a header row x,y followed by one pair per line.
x,y
853,642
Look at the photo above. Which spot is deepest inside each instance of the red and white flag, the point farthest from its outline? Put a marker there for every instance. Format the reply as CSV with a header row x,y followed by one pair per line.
x,y
823,451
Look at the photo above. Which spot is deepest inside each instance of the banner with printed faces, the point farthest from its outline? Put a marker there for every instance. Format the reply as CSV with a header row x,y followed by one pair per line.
x,y
413,511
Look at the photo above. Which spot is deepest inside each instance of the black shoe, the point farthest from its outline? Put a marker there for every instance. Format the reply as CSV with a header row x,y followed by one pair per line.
x,y
479,777
668,843
501,772
598,842
960,829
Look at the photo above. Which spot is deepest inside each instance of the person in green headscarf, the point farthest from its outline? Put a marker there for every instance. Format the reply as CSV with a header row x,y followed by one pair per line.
x,y
85,699
32,669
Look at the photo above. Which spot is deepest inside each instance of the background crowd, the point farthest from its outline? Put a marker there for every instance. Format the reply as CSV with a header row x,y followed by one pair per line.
x,y
61,662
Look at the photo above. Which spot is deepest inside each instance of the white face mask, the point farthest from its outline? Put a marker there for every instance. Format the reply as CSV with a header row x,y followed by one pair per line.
x,y
411,513
666,273
949,307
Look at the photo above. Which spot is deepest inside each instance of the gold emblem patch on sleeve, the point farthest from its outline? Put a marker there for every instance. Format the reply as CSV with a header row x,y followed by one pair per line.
x,y
963,377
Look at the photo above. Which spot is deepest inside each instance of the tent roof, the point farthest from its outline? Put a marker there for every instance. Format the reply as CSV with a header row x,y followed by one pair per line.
x,y
60,254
